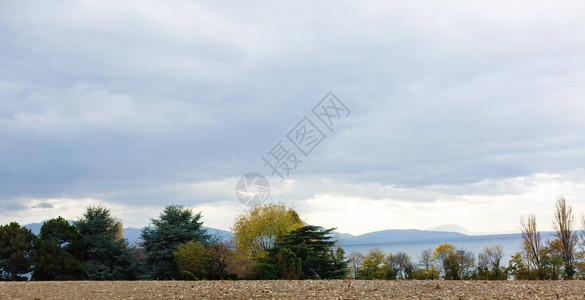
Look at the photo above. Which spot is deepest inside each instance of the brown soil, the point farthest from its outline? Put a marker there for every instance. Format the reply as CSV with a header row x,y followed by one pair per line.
x,y
334,289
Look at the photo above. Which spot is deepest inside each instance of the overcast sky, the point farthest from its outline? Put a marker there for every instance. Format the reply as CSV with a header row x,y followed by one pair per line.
x,y
462,112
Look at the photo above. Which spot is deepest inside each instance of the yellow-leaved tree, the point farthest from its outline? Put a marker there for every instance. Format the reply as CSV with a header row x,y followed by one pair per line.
x,y
258,228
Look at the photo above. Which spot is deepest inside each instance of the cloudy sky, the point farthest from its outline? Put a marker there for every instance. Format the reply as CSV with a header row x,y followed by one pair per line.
x,y
467,113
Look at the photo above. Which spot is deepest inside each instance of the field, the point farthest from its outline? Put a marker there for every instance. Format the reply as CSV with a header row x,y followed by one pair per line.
x,y
336,289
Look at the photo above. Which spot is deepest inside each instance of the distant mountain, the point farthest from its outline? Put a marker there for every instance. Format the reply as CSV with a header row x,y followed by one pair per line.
x,y
218,233
405,236
402,236
35,227
390,236
451,228
132,235
342,236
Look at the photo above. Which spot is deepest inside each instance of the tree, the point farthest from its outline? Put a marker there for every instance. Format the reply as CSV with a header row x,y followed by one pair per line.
x,y
339,261
563,226
175,226
16,247
219,259
488,265
313,245
531,244
54,252
103,249
495,255
355,262
191,260
466,264
426,268
372,265
519,270
552,261
404,266
456,263
444,255
289,266
390,267
257,229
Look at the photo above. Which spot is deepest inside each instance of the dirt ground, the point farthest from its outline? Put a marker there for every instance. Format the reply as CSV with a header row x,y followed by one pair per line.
x,y
334,289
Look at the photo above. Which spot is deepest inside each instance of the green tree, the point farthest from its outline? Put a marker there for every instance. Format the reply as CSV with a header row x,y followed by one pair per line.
x,y
494,257
175,226
106,255
519,269
552,261
390,267
289,266
426,267
16,247
53,252
257,229
456,263
190,259
371,267
313,245
340,260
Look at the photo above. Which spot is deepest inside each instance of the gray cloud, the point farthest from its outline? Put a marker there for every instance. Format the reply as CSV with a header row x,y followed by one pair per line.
x,y
123,102
43,205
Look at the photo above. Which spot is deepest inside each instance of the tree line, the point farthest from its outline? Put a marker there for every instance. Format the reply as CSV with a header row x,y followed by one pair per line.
x,y
268,242
562,257
174,246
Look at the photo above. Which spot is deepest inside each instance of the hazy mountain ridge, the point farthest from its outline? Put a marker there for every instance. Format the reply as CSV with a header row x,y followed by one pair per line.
x,y
389,236
132,234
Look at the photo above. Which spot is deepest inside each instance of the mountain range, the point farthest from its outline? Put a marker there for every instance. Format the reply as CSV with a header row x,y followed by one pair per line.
x,y
133,234
394,236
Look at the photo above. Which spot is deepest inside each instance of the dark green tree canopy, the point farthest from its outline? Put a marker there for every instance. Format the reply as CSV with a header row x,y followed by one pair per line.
x,y
313,246
54,252
16,246
175,226
106,255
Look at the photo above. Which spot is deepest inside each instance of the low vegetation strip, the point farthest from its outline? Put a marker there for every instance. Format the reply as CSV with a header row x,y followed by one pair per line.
x,y
294,289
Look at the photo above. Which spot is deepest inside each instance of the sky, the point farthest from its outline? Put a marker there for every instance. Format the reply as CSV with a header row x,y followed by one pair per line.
x,y
457,112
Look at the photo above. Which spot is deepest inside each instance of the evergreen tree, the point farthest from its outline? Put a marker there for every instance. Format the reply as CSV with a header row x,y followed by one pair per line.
x,y
313,246
53,258
175,226
103,249
16,246
288,264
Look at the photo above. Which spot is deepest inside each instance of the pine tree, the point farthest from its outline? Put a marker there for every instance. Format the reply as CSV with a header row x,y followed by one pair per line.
x,y
175,226
53,252
103,249
313,246
16,246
